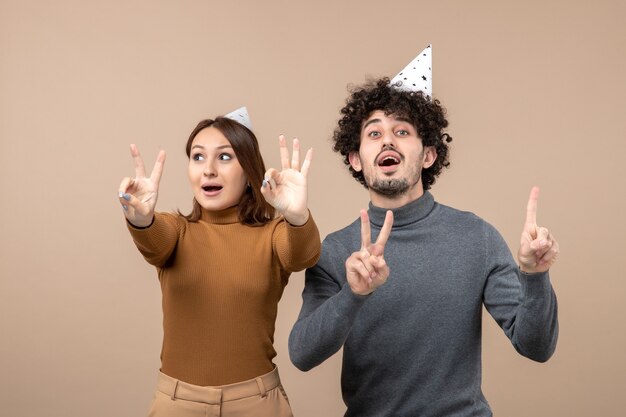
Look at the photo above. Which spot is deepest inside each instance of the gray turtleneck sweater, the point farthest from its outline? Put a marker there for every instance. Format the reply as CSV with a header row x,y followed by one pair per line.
x,y
413,346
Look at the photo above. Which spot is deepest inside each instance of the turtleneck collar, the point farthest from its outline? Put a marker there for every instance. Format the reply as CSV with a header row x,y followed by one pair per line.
x,y
407,214
226,216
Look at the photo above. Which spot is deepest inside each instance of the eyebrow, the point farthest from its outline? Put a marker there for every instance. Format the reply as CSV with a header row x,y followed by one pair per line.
x,y
369,122
405,120
399,119
218,147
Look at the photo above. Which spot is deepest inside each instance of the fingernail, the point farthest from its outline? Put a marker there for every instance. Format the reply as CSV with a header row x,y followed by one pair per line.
x,y
125,207
120,194
264,183
126,197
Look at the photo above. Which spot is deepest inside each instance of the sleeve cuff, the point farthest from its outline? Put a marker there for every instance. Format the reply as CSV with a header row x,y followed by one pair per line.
x,y
308,220
132,226
535,284
350,298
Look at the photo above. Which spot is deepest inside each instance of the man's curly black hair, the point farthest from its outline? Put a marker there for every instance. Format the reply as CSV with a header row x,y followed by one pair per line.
x,y
428,117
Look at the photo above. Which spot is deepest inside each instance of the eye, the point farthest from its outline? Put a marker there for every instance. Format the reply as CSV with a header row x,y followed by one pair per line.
x,y
197,157
225,157
402,132
374,134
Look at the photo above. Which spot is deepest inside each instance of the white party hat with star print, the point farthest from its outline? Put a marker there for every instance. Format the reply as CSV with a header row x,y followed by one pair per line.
x,y
417,76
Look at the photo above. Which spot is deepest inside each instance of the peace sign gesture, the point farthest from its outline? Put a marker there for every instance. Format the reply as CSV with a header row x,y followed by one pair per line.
x,y
366,269
286,190
538,248
138,195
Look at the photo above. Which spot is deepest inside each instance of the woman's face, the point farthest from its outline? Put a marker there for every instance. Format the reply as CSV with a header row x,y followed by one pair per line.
x,y
217,179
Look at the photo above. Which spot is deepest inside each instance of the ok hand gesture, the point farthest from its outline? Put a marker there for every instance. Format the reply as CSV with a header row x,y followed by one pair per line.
x,y
538,249
366,269
138,195
286,190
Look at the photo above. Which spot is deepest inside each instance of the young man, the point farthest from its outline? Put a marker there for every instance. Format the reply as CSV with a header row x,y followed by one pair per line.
x,y
407,307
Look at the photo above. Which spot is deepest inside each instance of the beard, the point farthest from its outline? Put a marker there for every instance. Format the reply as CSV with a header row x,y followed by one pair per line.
x,y
390,188
395,187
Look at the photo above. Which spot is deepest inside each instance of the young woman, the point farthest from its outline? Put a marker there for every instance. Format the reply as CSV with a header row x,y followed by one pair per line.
x,y
222,269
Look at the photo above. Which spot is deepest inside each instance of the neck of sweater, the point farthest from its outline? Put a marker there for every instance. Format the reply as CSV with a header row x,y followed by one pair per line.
x,y
412,212
226,216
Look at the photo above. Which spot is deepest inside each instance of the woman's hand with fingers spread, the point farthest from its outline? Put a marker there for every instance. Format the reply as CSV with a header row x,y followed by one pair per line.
x,y
286,190
138,196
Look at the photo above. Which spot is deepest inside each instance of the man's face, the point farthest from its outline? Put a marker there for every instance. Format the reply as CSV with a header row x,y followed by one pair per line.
x,y
392,157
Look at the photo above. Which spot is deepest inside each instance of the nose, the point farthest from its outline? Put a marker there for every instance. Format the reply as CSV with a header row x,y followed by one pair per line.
x,y
388,139
210,170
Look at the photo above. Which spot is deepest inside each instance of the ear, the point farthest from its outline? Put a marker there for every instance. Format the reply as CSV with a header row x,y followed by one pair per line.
x,y
430,156
355,161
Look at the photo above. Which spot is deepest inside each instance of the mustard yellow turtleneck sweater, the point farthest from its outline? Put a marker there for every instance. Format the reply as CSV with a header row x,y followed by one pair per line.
x,y
221,283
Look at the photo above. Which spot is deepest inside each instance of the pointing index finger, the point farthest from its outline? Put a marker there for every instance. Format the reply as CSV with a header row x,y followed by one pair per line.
x,y
531,208
366,235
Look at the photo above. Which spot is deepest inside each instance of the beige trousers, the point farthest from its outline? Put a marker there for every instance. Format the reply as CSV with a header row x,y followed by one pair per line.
x,y
263,396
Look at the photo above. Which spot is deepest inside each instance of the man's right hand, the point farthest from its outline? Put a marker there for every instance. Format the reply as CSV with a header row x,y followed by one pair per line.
x,y
138,195
366,269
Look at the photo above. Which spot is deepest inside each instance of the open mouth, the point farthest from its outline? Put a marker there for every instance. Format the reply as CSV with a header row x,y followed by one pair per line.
x,y
211,188
388,159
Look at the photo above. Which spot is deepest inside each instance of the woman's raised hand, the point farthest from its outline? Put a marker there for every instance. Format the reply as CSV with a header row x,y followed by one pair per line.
x,y
138,195
286,190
